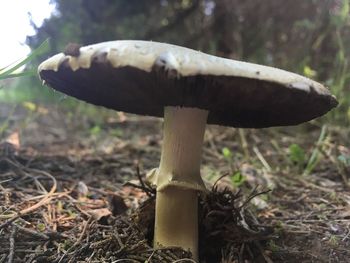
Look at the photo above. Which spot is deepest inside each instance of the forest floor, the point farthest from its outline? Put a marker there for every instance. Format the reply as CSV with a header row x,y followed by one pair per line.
x,y
63,196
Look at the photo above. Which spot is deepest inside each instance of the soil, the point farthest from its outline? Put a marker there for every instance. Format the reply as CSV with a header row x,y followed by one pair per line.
x,y
63,196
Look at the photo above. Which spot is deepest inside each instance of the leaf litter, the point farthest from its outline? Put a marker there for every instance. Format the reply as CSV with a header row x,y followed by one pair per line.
x,y
67,202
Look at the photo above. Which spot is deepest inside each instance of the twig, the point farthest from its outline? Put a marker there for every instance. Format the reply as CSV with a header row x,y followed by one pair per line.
x,y
219,179
184,260
253,194
46,199
31,232
12,245
122,260
266,257
116,235
146,188
149,258
244,143
346,236
139,176
262,159
91,256
86,223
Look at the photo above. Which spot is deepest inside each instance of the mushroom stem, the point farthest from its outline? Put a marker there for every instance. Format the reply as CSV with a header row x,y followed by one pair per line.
x,y
178,179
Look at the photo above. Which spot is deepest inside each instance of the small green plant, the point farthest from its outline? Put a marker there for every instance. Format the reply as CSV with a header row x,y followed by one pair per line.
x,y
343,166
297,156
116,132
67,244
273,246
316,153
307,163
41,227
227,153
237,179
278,229
333,241
344,160
333,196
309,72
59,206
71,213
96,130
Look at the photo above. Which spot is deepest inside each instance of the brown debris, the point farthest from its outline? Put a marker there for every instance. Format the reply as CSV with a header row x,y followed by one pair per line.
x,y
303,219
91,232
72,49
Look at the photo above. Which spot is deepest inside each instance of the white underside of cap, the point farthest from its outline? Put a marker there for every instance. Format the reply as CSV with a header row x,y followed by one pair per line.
x,y
186,62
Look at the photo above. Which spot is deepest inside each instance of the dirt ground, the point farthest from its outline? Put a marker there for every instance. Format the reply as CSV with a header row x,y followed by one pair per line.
x,y
63,196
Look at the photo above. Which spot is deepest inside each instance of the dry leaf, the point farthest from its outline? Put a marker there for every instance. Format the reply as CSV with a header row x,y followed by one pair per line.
x,y
97,214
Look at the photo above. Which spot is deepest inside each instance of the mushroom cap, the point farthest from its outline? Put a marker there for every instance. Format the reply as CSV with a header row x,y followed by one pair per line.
x,y
143,77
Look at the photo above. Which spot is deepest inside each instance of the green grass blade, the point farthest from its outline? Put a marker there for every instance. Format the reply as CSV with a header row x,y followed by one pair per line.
x,y
315,155
21,74
38,51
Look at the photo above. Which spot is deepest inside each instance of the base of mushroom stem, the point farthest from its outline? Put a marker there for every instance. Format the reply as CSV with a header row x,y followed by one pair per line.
x,y
176,222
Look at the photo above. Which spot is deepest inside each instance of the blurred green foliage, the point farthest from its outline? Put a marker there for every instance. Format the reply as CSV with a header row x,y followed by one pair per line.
x,y
308,37
297,156
306,163
315,156
226,152
237,179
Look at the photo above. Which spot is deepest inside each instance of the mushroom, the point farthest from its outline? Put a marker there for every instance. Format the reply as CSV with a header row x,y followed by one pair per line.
x,y
190,89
